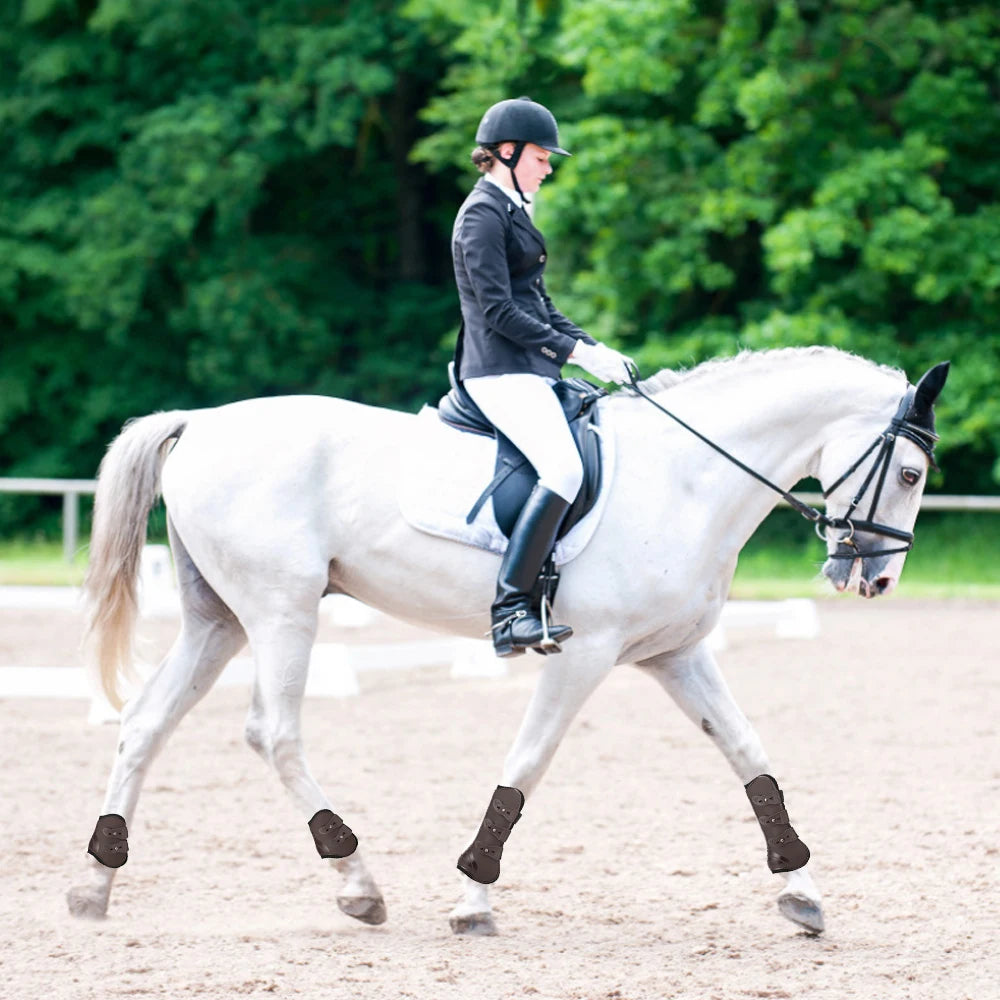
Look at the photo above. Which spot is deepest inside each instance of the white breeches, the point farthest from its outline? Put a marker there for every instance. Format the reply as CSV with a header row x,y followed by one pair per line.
x,y
526,409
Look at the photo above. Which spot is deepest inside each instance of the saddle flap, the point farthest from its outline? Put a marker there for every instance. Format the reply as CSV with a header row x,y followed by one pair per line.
x,y
442,472
515,476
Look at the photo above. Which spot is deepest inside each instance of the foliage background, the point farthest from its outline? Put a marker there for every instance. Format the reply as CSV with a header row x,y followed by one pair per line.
x,y
212,199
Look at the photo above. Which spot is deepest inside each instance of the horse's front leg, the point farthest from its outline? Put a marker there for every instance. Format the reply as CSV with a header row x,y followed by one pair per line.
x,y
566,682
694,681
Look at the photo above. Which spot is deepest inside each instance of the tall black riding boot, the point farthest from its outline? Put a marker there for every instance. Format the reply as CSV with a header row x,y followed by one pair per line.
x,y
516,626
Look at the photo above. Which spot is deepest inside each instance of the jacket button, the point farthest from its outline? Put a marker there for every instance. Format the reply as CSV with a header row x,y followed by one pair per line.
x,y
541,260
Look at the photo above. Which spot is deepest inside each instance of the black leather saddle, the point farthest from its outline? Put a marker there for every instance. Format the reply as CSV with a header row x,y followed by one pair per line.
x,y
515,476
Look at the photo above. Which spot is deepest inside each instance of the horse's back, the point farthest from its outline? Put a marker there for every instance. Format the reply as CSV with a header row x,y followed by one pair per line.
x,y
282,429
271,464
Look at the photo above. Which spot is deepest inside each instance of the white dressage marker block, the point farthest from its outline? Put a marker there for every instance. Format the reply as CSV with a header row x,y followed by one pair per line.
x,y
475,658
800,621
344,611
716,639
101,710
794,618
67,598
331,672
158,595
43,682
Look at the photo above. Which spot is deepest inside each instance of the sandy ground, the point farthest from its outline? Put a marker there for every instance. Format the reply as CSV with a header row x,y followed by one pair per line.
x,y
637,871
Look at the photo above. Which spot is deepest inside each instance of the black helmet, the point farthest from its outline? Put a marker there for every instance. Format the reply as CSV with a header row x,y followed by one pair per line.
x,y
520,120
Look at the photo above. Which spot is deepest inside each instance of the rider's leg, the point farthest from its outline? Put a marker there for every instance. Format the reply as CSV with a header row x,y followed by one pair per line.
x,y
516,626
526,410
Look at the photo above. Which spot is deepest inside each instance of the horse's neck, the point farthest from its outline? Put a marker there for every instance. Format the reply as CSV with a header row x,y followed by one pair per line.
x,y
774,419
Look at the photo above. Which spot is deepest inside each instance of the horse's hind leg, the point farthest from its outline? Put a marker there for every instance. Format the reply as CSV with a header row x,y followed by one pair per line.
x,y
210,635
281,647
694,681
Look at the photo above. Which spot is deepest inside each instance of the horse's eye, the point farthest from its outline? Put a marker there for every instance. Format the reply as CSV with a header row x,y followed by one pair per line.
x,y
908,476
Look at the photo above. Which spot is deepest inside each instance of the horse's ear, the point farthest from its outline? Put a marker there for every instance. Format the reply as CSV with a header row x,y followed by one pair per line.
x,y
928,389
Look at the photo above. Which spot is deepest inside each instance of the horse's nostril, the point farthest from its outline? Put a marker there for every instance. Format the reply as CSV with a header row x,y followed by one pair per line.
x,y
882,584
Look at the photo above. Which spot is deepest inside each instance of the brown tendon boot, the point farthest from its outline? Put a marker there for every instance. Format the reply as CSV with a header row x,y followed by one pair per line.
x,y
481,862
332,836
785,852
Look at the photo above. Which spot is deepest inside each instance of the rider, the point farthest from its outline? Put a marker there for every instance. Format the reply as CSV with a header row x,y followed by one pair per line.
x,y
513,343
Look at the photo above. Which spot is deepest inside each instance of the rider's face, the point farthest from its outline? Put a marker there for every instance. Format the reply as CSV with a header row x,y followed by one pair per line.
x,y
532,168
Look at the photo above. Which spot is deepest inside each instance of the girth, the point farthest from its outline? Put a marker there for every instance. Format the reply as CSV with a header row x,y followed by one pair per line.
x,y
515,476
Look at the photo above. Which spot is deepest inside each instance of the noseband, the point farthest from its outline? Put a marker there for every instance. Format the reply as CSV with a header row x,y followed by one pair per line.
x,y
898,427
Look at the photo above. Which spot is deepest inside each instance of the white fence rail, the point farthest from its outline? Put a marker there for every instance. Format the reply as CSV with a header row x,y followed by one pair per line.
x,y
71,490
930,501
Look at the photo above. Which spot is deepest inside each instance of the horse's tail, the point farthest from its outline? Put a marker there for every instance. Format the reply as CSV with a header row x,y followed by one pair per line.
x,y
128,484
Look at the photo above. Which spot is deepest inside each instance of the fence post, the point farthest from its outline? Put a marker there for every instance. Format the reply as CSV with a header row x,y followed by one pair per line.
x,y
71,521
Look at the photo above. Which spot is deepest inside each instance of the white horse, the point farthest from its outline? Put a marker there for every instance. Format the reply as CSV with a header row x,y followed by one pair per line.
x,y
273,503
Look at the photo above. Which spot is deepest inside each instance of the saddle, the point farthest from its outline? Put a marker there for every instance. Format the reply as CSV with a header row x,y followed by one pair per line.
x,y
515,476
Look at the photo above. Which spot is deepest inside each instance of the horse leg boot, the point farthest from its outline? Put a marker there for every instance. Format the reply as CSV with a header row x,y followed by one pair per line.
x,y
785,852
481,862
516,627
109,844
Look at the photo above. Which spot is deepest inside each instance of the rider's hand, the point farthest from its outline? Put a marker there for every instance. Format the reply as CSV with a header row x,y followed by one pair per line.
x,y
602,362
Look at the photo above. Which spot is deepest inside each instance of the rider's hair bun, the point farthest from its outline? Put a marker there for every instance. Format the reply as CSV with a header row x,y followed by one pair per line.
x,y
483,158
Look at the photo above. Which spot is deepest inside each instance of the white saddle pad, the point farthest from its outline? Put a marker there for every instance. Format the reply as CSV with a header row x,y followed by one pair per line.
x,y
443,472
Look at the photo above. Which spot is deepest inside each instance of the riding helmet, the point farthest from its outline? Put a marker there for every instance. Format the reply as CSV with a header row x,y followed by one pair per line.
x,y
520,120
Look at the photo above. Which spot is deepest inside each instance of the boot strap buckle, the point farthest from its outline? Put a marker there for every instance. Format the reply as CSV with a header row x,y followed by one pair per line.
x,y
520,613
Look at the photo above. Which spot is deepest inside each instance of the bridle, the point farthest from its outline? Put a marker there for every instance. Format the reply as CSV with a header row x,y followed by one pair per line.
x,y
899,426
924,438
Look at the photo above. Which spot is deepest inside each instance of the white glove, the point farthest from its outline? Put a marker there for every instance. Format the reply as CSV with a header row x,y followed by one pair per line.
x,y
601,361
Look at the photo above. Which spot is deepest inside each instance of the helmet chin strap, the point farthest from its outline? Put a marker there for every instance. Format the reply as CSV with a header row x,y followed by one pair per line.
x,y
510,162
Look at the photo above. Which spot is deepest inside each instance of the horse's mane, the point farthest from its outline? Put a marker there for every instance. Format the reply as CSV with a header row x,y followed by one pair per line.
x,y
748,361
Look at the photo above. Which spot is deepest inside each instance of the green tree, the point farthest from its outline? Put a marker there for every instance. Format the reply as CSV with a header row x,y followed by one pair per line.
x,y
211,199
207,200
767,173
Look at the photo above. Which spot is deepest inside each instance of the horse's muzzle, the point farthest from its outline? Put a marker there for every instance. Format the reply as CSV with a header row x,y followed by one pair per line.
x,y
864,576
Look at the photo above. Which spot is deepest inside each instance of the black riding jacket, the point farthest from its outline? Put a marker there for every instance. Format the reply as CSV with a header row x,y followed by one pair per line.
x,y
509,323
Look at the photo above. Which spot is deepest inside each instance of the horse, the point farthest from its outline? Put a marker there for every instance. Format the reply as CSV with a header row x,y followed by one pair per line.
x,y
274,503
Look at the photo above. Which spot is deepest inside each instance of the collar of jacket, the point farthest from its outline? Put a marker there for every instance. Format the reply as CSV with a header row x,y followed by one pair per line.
x,y
519,202
519,215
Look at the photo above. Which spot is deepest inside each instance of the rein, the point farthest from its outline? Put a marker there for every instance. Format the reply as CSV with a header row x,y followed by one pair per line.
x,y
899,426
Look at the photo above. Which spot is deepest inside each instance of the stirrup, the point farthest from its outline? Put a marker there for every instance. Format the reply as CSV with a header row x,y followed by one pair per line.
x,y
548,644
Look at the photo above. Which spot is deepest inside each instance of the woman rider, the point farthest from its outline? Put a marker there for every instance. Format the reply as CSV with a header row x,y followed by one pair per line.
x,y
513,344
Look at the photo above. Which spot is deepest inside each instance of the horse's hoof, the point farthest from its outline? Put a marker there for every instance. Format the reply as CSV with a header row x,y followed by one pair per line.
x,y
367,909
84,903
802,911
480,924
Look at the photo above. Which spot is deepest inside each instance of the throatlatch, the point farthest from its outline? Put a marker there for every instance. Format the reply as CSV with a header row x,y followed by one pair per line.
x,y
785,852
109,844
332,835
481,862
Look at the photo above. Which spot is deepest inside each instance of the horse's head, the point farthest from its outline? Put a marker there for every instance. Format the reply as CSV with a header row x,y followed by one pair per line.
x,y
873,505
